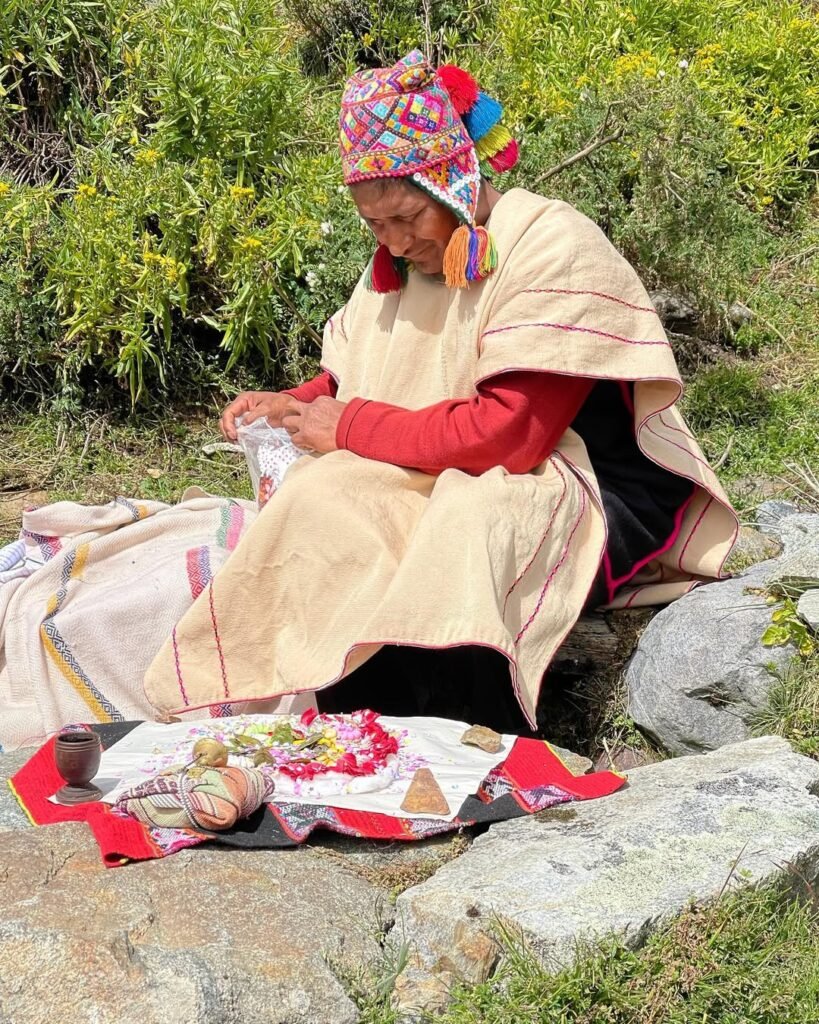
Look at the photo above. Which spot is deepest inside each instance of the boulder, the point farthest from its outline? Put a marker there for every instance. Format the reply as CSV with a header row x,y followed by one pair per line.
x,y
700,672
12,815
681,830
808,608
204,935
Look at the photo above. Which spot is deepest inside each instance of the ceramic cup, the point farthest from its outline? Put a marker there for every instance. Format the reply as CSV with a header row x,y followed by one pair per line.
x,y
77,756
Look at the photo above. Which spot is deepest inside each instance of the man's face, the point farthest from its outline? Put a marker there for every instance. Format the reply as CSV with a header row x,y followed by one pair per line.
x,y
408,221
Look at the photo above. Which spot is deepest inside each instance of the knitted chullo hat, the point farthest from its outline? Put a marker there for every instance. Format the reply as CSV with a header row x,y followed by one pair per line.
x,y
438,130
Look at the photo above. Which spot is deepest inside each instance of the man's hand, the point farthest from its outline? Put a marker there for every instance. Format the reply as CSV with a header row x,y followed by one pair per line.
x,y
312,426
253,405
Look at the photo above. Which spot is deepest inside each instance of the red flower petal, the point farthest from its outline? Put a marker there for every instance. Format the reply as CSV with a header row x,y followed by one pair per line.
x,y
308,716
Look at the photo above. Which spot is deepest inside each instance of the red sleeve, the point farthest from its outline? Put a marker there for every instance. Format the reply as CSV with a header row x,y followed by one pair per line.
x,y
310,390
514,421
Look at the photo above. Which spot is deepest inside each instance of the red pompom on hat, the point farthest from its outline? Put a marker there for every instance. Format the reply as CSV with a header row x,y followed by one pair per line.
x,y
461,86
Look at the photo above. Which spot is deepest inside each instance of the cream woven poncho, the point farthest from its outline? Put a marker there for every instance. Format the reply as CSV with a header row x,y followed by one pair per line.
x,y
352,554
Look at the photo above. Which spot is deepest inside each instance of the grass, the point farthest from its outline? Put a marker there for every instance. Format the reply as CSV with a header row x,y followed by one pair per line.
x,y
750,958
45,459
753,405
792,710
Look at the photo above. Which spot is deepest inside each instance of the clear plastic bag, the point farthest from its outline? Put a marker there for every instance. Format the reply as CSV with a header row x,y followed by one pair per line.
x,y
269,453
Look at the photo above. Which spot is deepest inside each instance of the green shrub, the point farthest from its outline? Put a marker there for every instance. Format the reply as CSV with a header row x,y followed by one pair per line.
x,y
169,183
209,209
755,62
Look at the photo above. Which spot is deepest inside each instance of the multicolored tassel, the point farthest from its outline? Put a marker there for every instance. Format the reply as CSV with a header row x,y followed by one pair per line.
x,y
385,273
470,256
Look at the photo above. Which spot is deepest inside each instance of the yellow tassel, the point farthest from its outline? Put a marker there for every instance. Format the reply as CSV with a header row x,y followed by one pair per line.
x,y
456,258
493,142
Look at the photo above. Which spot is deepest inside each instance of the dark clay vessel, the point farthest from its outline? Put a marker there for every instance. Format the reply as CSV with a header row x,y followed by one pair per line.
x,y
77,756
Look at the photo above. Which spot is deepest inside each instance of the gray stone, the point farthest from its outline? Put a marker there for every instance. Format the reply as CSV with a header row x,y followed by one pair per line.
x,y
205,935
11,814
739,314
674,310
799,534
679,831
576,763
700,671
808,608
769,514
751,548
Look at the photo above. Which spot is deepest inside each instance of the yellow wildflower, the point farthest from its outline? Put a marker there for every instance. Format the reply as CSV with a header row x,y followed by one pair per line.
x,y
239,192
173,270
641,63
148,157
250,243
85,192
4,188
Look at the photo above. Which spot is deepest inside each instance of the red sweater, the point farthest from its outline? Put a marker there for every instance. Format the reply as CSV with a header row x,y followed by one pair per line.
x,y
514,421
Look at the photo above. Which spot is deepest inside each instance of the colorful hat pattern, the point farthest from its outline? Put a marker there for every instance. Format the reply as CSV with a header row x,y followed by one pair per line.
x,y
442,132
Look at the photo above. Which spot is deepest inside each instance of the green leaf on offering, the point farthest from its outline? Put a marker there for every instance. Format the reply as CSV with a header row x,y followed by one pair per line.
x,y
247,741
283,733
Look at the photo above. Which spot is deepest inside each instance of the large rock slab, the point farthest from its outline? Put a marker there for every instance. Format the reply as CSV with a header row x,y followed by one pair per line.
x,y
622,864
700,671
205,935
12,815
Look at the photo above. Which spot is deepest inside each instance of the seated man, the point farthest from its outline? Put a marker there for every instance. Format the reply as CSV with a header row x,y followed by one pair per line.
x,y
493,440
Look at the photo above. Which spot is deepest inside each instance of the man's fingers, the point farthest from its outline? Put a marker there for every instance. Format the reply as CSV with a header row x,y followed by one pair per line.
x,y
228,421
293,417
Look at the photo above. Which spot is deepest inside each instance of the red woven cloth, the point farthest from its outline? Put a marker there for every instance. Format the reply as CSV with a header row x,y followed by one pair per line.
x,y
532,778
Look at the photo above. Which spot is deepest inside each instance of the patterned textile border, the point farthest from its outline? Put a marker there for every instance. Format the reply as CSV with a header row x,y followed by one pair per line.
x,y
531,779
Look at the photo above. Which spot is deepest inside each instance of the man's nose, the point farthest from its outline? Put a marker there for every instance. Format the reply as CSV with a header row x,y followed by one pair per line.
x,y
397,239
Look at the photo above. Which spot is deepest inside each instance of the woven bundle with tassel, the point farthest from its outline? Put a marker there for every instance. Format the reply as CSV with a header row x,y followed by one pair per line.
x,y
439,130
207,798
